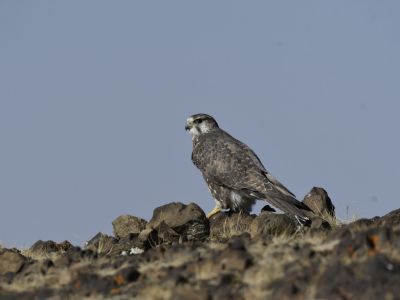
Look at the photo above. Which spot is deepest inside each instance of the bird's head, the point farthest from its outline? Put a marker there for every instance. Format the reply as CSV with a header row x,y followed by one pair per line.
x,y
200,123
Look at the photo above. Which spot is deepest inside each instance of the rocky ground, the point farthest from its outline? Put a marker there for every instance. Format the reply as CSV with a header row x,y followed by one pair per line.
x,y
180,254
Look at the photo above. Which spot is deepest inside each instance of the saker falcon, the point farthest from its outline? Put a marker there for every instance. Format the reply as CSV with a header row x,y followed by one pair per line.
x,y
234,174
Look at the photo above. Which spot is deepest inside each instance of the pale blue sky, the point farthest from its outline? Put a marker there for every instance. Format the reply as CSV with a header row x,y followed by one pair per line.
x,y
94,97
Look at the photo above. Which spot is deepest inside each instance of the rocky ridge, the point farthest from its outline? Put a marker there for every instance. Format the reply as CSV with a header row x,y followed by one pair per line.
x,y
180,254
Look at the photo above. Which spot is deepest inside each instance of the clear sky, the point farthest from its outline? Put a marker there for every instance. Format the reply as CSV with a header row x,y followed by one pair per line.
x,y
94,96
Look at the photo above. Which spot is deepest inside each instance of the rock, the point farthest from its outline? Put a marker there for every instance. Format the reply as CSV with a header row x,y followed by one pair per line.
x,y
127,224
166,234
101,244
197,231
376,277
176,214
148,238
223,226
319,225
368,242
319,202
272,224
391,219
357,235
189,221
11,261
359,260
125,245
43,248
361,224
267,208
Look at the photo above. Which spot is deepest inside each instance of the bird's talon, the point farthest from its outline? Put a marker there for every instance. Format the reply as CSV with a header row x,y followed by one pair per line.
x,y
214,211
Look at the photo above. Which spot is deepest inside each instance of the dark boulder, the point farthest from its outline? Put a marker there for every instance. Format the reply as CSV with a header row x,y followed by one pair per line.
x,y
268,208
319,202
166,234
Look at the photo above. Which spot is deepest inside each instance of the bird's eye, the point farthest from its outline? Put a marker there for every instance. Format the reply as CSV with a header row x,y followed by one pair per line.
x,y
200,121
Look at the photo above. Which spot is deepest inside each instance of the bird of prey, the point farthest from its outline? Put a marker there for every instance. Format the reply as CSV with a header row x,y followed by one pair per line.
x,y
234,174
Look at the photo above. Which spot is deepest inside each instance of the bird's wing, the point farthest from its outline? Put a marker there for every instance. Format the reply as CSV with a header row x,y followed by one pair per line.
x,y
269,176
279,185
229,162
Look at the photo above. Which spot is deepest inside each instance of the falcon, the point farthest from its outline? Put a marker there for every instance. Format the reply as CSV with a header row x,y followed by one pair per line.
x,y
234,174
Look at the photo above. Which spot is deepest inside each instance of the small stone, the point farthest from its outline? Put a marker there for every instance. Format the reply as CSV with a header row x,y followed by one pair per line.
x,y
135,251
167,234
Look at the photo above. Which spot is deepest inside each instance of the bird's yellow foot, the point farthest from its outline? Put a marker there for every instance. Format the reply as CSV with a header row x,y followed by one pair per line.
x,y
214,211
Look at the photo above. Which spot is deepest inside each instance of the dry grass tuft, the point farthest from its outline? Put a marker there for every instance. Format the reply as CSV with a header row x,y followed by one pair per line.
x,y
333,220
232,226
105,246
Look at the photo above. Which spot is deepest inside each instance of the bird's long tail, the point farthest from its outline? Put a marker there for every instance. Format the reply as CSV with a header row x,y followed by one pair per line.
x,y
289,205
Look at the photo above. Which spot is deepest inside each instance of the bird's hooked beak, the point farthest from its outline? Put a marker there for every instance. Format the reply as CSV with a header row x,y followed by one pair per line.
x,y
189,123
